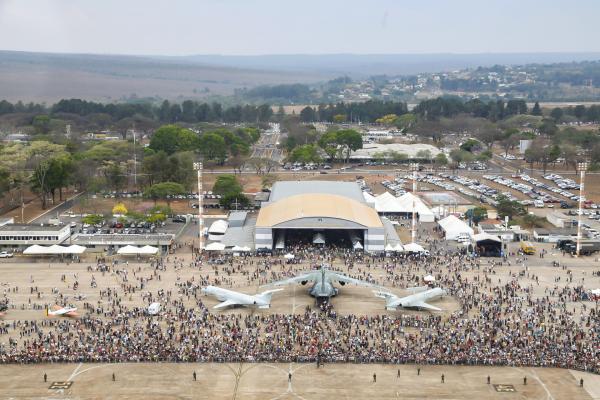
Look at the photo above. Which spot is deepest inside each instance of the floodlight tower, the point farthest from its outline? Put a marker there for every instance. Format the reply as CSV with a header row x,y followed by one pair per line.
x,y
414,167
582,168
198,168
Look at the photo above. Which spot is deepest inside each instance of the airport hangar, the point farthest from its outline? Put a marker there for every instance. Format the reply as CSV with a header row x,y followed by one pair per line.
x,y
327,212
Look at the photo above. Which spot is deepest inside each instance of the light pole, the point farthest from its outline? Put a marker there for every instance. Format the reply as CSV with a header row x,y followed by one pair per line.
x,y
198,168
414,167
581,167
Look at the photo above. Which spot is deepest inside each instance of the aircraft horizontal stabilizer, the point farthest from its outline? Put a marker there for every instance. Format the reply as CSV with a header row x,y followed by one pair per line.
x,y
426,306
224,304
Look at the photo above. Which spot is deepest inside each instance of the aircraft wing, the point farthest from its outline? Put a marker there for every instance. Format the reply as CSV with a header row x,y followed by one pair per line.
x,y
425,306
226,303
346,279
311,276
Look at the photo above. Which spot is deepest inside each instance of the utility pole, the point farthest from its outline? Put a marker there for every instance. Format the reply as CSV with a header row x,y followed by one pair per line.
x,y
414,168
134,161
581,167
198,168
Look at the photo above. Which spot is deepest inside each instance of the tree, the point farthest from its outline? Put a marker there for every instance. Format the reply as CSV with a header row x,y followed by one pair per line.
x,y
339,118
532,221
119,208
388,120
308,114
268,180
212,146
350,140
227,184
306,154
508,208
548,127
536,110
41,124
476,214
41,159
92,219
405,122
440,160
173,138
556,114
328,142
115,175
164,191
234,201
424,155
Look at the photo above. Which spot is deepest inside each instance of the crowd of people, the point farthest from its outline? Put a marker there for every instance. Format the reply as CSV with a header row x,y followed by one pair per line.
x,y
501,316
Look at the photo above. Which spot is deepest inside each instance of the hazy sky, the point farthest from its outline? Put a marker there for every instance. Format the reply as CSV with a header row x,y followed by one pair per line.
x,y
181,27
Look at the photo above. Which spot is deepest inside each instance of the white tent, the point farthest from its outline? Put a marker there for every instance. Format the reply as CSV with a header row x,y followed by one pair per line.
x,y
388,203
413,248
237,248
454,227
318,238
215,247
429,278
289,256
486,236
134,250
217,229
409,201
35,249
398,247
357,246
77,249
149,250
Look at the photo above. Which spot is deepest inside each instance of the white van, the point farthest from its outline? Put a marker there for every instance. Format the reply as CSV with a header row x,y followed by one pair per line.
x,y
538,204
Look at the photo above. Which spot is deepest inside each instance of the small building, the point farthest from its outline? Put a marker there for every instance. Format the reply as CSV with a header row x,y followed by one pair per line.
x,y
560,220
507,235
236,219
554,235
16,236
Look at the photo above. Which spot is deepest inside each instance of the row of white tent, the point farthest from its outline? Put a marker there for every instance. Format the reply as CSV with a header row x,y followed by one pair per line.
x,y
216,246
55,249
387,203
406,248
134,250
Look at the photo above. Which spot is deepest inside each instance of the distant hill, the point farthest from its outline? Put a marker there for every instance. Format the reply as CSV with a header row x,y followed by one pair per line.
x,y
363,65
48,77
44,77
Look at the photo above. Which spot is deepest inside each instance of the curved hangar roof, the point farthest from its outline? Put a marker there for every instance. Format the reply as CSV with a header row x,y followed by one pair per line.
x,y
317,205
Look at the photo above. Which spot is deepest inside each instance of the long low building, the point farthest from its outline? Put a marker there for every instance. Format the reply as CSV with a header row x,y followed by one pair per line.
x,y
16,236
317,212
412,151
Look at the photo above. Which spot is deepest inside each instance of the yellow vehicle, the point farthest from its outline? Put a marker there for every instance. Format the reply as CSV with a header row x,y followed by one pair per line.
x,y
527,248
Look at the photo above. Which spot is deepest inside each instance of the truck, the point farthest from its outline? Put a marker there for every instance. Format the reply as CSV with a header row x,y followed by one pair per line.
x,y
527,248
587,246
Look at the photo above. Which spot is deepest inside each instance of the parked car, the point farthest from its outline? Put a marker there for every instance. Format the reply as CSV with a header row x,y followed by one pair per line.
x,y
5,254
